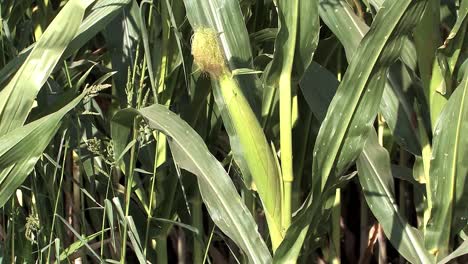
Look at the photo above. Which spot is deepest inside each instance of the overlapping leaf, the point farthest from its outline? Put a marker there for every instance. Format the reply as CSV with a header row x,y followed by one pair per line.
x,y
100,14
217,190
354,107
17,98
448,172
377,184
374,172
22,147
396,108
343,133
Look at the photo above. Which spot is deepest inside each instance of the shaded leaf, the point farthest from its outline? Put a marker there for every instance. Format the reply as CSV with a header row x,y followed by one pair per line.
x,y
22,147
374,172
448,173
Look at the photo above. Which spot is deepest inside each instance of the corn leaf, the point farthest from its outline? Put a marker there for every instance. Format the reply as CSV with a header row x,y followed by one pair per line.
x,y
343,133
460,251
448,172
17,98
100,14
396,108
21,148
374,172
441,74
353,109
376,180
217,190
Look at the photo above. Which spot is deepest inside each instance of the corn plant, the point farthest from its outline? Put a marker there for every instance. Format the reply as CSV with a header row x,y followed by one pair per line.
x,y
224,131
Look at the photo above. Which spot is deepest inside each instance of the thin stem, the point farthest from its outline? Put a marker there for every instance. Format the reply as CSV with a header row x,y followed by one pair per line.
x,y
208,245
403,193
103,225
197,222
67,74
336,230
13,216
58,192
152,192
161,250
128,190
285,120
380,234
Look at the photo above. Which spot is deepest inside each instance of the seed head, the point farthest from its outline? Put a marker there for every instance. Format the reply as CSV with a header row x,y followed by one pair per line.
x,y
207,52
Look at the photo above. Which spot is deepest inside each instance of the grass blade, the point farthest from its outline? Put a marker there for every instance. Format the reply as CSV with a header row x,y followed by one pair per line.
x,y
21,148
100,14
460,251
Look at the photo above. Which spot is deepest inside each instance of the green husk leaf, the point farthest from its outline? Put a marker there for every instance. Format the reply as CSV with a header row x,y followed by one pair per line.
x,y
221,26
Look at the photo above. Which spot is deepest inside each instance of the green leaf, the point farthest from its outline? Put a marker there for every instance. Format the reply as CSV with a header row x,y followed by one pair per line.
x,y
17,98
303,20
376,181
100,14
343,132
22,147
440,79
77,245
353,108
448,173
83,240
396,108
460,251
374,172
122,37
217,190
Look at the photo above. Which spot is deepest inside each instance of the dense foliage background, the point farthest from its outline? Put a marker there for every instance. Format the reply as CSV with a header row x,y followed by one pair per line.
x,y
227,131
